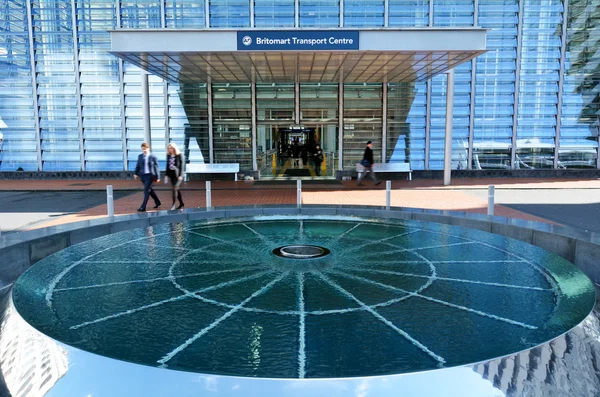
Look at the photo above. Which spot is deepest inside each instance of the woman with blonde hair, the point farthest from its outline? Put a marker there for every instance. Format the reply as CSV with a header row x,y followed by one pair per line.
x,y
174,172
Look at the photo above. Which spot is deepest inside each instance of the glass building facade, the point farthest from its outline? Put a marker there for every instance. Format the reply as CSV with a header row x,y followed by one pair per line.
x,y
531,102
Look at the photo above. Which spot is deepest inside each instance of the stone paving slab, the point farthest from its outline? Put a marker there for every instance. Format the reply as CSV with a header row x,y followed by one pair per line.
x,y
467,195
504,183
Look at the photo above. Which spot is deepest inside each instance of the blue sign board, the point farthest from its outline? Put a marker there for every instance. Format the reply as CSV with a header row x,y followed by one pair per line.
x,y
297,40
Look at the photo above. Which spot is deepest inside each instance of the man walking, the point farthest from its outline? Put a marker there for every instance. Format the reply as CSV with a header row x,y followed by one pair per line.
x,y
147,170
367,163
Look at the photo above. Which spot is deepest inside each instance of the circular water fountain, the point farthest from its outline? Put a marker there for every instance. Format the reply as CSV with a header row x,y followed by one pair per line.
x,y
299,297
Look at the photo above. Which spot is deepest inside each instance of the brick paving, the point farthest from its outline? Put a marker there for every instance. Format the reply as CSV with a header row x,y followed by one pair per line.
x,y
429,194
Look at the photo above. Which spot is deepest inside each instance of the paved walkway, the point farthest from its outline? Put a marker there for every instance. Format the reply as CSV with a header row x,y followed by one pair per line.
x,y
463,195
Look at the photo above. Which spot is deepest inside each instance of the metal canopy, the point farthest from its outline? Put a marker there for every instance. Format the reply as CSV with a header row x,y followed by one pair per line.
x,y
199,56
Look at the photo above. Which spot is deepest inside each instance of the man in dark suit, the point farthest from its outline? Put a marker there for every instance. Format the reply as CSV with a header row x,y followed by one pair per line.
x,y
147,170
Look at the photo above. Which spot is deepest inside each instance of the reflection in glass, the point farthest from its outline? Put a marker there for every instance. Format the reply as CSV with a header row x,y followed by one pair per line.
x,y
580,118
363,112
232,124
406,124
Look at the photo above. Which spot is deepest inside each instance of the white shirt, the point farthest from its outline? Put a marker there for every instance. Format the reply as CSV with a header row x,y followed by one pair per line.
x,y
146,167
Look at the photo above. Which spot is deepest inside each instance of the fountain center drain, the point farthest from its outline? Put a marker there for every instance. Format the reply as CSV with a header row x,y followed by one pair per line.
x,y
301,251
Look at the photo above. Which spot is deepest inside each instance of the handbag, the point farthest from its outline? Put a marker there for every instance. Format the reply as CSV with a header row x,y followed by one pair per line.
x,y
365,163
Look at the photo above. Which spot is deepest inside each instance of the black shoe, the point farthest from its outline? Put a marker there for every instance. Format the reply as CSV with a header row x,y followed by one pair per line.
x,y
141,210
377,183
180,206
157,206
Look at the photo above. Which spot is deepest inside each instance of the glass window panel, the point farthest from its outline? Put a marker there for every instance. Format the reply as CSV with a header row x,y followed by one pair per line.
x,y
274,13
495,85
363,112
185,13
57,90
19,150
140,14
100,86
364,13
581,88
453,12
319,13
406,124
408,13
538,88
190,129
232,119
229,13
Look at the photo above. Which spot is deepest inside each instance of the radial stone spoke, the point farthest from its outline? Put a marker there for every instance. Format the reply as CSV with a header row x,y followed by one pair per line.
x,y
348,231
153,245
383,240
235,243
174,299
163,361
484,314
387,322
458,280
151,280
52,285
257,234
302,327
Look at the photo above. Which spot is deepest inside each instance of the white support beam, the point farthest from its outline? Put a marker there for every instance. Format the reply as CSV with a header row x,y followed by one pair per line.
x,y
146,107
448,137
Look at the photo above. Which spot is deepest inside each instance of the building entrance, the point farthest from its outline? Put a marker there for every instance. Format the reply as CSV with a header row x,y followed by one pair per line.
x,y
295,149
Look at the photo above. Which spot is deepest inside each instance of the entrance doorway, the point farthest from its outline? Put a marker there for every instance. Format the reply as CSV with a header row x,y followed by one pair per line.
x,y
295,151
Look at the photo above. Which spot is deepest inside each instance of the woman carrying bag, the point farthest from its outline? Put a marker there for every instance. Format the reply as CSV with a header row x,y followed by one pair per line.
x,y
175,172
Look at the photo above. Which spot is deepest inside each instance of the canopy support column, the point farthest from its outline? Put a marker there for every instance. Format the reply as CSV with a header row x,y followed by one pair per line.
x,y
449,114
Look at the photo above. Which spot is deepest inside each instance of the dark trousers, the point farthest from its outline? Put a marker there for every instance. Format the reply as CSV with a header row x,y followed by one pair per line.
x,y
148,191
318,168
176,184
364,173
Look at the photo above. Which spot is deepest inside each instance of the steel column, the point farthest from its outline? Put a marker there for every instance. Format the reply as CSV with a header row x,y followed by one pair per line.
x,y
77,83
427,122
166,111
384,122
386,13
473,88
163,16
561,77
340,124
163,24
297,13
36,109
513,150
207,13
251,13
430,13
449,116
254,132
341,13
211,144
297,101
122,94
428,102
146,107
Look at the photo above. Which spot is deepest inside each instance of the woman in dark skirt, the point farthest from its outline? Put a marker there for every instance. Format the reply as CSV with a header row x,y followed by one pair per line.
x,y
174,171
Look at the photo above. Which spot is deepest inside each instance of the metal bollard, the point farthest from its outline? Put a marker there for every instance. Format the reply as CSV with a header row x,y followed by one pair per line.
x,y
490,209
208,196
299,193
388,194
110,204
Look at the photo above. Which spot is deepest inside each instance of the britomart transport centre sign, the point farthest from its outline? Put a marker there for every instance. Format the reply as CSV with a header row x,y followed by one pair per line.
x,y
305,40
